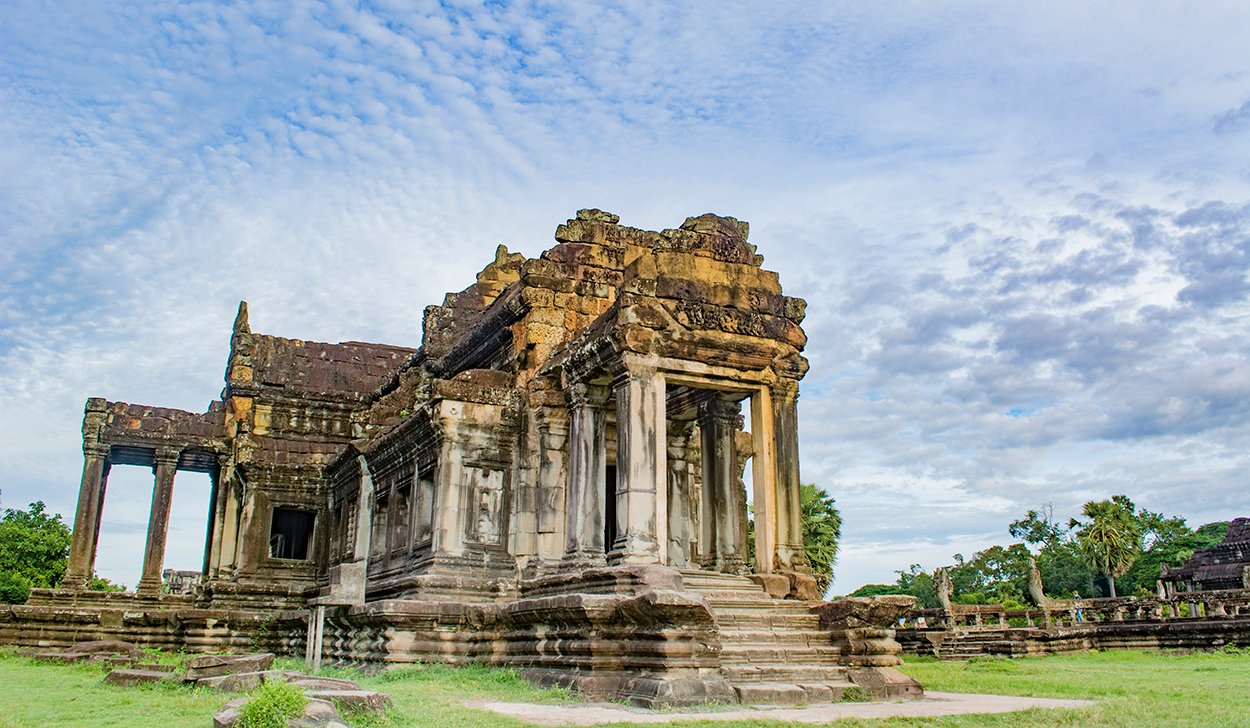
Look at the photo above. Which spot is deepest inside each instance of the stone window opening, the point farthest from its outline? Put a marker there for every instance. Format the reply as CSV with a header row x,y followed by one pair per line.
x,y
290,534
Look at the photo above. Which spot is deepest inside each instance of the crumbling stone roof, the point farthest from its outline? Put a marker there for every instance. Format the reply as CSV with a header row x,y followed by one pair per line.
x,y
350,370
1223,566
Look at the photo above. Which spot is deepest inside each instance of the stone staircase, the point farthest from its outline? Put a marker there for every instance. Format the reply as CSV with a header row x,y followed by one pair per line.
x,y
965,645
773,651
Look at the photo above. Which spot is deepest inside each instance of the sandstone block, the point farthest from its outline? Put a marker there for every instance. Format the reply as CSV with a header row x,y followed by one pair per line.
x,y
817,692
112,659
237,683
130,678
770,694
62,656
319,714
362,700
311,682
886,682
776,586
228,716
803,586
215,665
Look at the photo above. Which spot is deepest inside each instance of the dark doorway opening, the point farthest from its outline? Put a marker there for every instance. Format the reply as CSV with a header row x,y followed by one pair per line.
x,y
609,508
290,534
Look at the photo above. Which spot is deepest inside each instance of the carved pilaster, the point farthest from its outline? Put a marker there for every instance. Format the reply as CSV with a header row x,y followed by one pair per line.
x,y
553,436
585,495
682,536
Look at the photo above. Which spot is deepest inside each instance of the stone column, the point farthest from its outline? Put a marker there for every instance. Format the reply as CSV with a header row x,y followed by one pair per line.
x,y
764,479
232,519
789,554
216,517
718,423
158,521
641,477
584,510
87,518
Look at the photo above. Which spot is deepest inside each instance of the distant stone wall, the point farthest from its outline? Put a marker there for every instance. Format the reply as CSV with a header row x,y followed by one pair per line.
x,y
1195,620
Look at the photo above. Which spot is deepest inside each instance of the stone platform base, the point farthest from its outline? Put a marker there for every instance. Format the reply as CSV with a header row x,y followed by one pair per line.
x,y
188,630
635,634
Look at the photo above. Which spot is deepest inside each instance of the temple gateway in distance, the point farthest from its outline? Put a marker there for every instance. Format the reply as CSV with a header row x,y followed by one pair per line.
x,y
554,481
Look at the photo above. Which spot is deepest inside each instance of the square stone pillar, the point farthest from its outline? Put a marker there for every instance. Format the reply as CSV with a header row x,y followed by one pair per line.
x,y
789,554
641,470
216,516
718,423
158,521
86,535
584,510
764,480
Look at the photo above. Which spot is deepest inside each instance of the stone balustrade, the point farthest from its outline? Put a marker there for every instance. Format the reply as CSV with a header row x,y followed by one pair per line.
x,y
1221,604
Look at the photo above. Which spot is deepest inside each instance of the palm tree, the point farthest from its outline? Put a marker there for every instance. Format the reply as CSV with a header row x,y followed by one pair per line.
x,y
1111,539
822,528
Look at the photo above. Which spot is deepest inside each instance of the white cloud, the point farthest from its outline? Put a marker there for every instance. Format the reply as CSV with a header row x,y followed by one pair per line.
x,y
1021,230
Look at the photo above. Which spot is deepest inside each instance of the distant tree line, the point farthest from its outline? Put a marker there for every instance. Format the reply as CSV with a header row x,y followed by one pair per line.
x,y
1113,548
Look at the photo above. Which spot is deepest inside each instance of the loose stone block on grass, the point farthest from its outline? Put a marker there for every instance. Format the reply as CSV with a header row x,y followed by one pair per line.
x,y
215,665
364,700
130,678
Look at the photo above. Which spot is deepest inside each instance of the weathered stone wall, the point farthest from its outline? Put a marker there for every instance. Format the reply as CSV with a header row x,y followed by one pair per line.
x,y
1198,620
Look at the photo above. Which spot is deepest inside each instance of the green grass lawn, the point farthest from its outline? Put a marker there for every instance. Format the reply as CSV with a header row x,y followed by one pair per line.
x,y
1132,689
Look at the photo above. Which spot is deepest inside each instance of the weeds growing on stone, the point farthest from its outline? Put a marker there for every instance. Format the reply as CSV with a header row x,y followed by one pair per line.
x,y
271,705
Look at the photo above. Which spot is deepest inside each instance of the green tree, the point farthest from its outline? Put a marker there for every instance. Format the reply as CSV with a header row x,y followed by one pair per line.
x,y
995,574
1143,575
1064,570
876,590
822,529
1110,538
919,584
1039,527
34,549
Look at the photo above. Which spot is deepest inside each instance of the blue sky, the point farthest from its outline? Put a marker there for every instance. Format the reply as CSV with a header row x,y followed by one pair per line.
x,y
1022,229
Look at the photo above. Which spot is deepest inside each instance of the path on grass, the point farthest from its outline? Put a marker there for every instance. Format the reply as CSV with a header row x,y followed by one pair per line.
x,y
933,704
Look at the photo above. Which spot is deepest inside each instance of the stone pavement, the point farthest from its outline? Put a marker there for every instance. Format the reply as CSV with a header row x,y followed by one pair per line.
x,y
932,705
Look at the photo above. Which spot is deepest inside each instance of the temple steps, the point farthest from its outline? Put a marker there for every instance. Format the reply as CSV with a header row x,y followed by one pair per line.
x,y
703,581
966,645
773,651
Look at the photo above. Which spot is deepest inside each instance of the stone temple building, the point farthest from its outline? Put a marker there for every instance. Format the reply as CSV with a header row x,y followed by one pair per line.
x,y
553,480
1223,566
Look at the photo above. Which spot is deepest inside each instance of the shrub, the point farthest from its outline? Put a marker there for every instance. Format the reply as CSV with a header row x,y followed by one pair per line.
x,y
14,588
272,705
